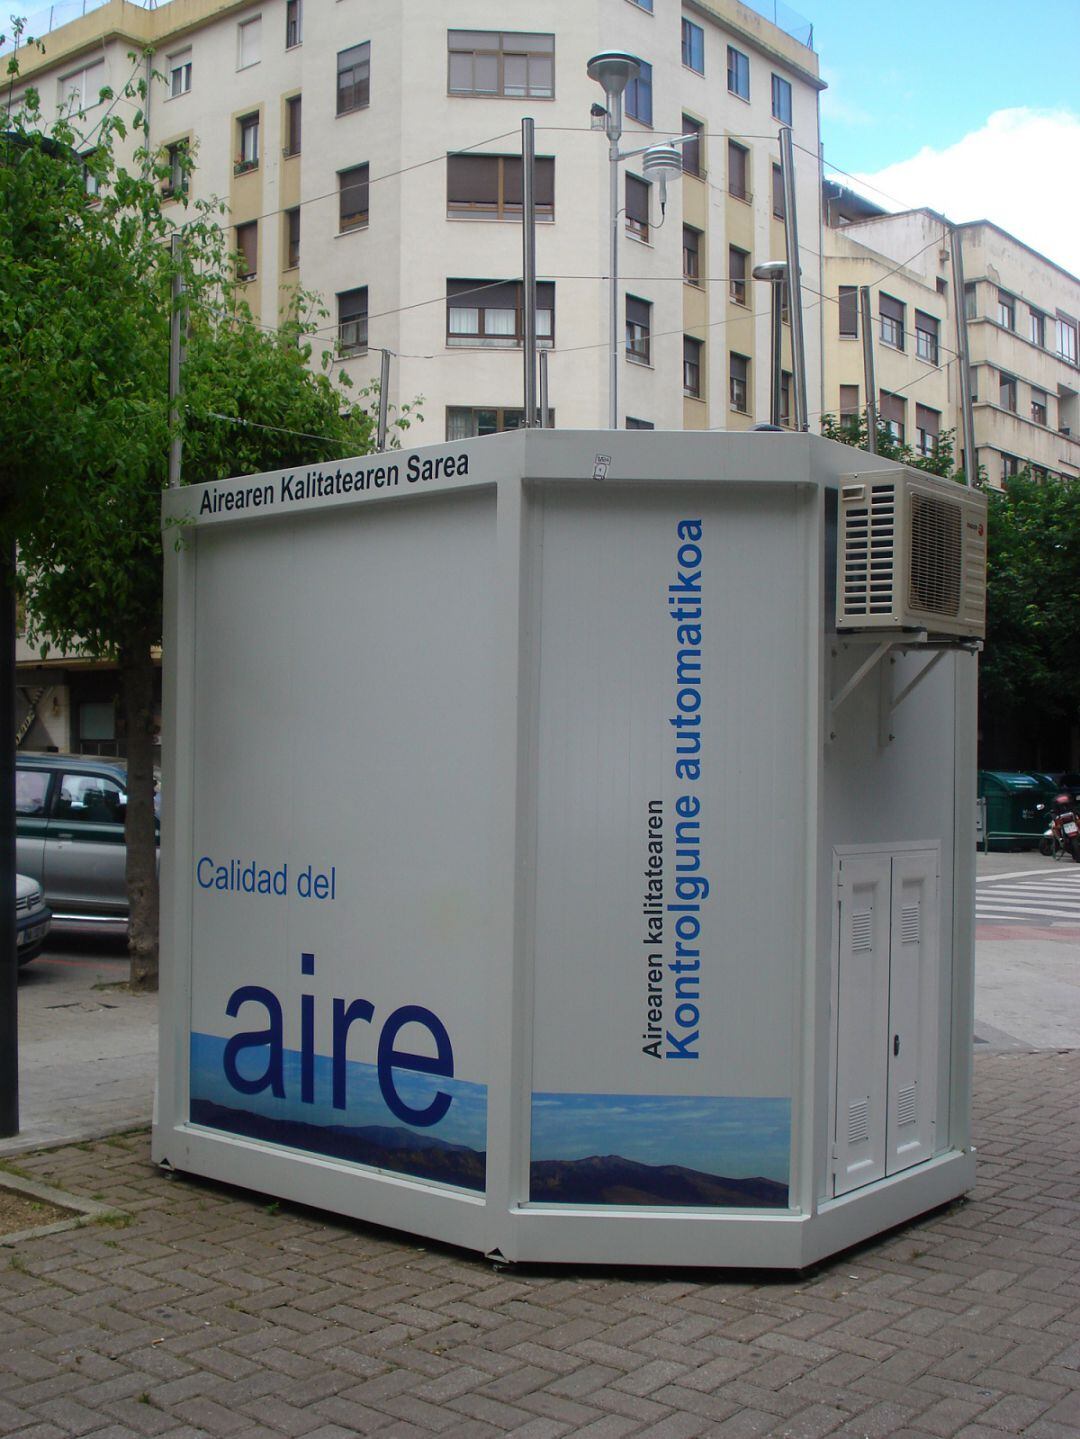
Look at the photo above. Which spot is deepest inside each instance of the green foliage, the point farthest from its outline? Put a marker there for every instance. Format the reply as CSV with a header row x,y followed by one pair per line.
x,y
1029,664
855,432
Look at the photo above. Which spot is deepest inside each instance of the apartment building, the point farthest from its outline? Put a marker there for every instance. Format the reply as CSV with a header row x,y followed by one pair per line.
x,y
1022,313
369,151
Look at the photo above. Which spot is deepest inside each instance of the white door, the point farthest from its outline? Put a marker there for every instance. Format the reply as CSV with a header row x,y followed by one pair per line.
x,y
886,995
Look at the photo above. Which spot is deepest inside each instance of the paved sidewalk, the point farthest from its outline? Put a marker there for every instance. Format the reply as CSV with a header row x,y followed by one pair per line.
x,y
217,1313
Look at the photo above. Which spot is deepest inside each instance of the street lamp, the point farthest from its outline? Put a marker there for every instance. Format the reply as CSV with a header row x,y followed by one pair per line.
x,y
613,70
775,273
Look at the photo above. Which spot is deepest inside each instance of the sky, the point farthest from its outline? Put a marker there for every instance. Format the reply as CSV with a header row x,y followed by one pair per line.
x,y
970,108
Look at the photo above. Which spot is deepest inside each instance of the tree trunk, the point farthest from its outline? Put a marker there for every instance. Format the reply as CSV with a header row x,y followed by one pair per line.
x,y
140,830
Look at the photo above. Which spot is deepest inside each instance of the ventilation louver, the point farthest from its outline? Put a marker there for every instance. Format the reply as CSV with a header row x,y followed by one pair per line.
x,y
911,555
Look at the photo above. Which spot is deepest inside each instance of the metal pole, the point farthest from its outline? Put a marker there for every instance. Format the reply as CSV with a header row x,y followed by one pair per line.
x,y
967,414
613,261
776,291
528,253
9,960
177,328
869,377
384,396
795,308
544,408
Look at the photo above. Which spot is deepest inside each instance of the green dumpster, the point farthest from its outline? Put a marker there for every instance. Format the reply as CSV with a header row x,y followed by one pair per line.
x,y
1014,819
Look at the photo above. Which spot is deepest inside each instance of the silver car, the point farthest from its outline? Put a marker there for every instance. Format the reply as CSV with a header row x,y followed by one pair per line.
x,y
32,918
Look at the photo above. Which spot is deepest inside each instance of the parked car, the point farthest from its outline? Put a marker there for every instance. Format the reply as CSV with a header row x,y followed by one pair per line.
x,y
32,918
69,834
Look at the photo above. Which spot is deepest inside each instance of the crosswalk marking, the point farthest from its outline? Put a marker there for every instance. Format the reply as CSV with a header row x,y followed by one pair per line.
x,y
1030,898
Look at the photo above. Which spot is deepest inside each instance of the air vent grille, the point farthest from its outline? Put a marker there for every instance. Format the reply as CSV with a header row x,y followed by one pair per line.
x,y
907,1107
909,924
936,560
862,929
858,1127
869,553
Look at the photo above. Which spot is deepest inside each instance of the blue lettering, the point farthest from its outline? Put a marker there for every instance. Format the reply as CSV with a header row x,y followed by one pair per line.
x,y
391,1058
344,1016
273,1078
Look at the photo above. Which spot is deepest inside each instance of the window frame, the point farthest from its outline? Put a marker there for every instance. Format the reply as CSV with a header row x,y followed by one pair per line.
x,y
176,185
1040,409
294,23
848,304
780,88
1037,327
250,27
1006,311
484,339
738,384
294,124
693,46
738,73
500,51
65,89
779,199
926,438
503,208
354,94
357,219
501,412
693,366
744,194
692,270
738,285
927,339
357,317
892,327
241,232
692,148
1008,392
637,91
1066,326
638,332
180,63
291,246
247,127
636,224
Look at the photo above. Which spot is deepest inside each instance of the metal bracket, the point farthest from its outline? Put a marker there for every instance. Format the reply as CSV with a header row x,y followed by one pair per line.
x,y
889,703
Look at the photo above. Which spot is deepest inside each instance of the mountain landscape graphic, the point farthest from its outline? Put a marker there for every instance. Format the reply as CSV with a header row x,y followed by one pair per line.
x,y
611,1179
381,1146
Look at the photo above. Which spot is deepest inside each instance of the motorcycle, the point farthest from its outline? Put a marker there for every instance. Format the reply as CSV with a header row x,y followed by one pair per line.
x,y
1062,835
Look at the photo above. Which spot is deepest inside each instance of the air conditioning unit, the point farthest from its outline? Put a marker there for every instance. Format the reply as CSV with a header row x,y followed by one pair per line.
x,y
911,555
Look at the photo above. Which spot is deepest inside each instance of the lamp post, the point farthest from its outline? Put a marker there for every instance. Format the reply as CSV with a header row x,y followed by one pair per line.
x,y
775,273
613,70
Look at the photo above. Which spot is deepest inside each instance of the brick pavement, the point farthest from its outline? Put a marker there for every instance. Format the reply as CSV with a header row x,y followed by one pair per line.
x,y
214,1312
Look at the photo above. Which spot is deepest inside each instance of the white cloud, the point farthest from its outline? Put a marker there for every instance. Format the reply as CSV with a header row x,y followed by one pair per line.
x,y
1018,171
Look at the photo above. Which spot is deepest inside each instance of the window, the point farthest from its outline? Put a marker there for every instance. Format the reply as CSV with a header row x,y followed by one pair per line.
x,y
643,5
737,168
31,788
294,23
892,321
971,305
926,337
781,99
849,404
691,366
292,238
738,73
1010,467
691,151
91,182
891,414
248,42
352,309
693,46
247,250
632,424
89,799
353,198
637,207
467,424
1066,339
248,128
1038,406
738,264
179,73
488,187
354,78
927,427
785,397
491,314
1006,310
779,204
1037,329
638,329
176,156
494,62
849,312
738,383
81,90
691,255
1007,392
292,125
638,99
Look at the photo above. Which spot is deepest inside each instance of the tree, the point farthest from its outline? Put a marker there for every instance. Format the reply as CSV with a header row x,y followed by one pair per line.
x,y
855,432
1029,681
86,271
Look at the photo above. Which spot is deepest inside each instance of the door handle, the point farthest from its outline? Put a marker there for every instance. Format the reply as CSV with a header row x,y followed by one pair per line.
x,y
896,1044
66,834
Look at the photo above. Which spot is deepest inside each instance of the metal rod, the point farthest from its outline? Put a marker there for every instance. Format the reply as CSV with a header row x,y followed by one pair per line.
x,y
544,407
613,262
776,291
9,960
528,256
384,398
177,329
869,377
794,280
967,413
